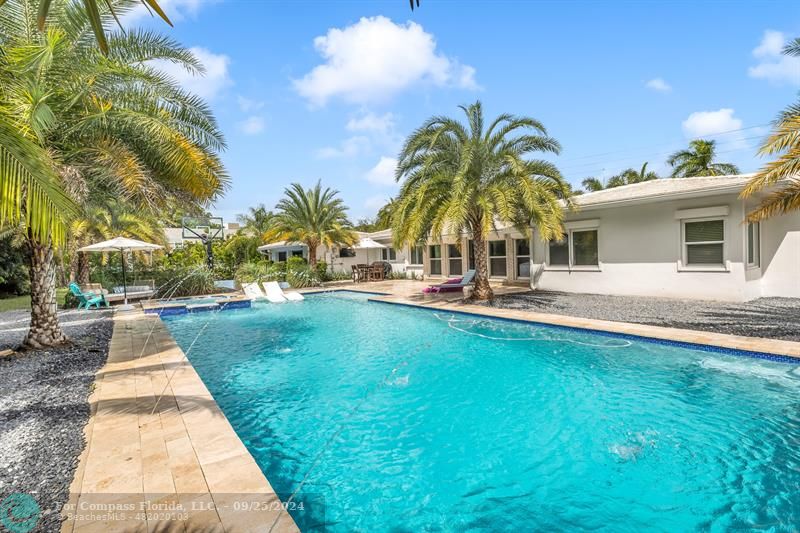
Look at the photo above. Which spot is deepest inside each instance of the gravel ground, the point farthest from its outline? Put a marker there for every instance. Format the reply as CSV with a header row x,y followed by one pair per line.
x,y
44,407
772,318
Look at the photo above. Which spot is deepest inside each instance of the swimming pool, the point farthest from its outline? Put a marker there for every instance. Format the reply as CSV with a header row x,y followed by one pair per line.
x,y
405,419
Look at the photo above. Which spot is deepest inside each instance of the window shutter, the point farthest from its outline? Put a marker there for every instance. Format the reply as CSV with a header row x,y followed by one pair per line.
x,y
711,230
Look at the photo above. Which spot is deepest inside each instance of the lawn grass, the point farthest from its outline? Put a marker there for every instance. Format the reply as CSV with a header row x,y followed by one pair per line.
x,y
22,303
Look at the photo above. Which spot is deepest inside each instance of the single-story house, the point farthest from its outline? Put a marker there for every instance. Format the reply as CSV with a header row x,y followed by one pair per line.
x,y
682,238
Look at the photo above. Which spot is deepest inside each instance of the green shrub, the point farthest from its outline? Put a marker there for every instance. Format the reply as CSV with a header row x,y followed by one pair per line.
x,y
302,277
184,281
322,270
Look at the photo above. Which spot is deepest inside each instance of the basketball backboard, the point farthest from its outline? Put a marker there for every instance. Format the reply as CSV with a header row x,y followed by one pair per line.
x,y
203,228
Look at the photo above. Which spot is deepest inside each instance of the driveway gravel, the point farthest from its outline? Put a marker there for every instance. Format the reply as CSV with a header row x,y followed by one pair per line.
x,y
44,408
772,318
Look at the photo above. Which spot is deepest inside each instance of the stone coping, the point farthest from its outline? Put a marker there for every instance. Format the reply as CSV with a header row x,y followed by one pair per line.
x,y
177,457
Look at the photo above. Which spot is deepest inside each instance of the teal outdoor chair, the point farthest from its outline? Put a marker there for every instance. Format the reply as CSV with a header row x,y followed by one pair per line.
x,y
87,299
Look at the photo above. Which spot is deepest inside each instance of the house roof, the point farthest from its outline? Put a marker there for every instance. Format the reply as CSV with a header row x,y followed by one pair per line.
x,y
279,244
663,188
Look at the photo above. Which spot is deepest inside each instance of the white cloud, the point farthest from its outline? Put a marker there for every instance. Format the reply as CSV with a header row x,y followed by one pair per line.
x,y
373,59
350,147
383,172
247,105
773,65
252,125
702,124
658,84
216,78
371,122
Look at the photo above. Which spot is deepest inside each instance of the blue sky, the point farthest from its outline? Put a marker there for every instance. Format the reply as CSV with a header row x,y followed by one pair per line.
x,y
327,90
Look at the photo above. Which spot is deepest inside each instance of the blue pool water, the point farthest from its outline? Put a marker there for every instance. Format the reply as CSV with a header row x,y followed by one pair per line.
x,y
400,419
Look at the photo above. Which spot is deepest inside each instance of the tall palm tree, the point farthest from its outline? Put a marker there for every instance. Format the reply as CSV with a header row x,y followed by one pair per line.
x,y
383,220
115,124
626,177
466,177
698,160
784,141
257,221
315,217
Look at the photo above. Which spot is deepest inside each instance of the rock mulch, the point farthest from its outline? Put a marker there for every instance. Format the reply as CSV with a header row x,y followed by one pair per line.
x,y
771,318
44,407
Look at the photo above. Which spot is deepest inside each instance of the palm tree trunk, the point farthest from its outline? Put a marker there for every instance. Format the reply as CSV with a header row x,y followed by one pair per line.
x,y
312,255
83,268
44,328
483,291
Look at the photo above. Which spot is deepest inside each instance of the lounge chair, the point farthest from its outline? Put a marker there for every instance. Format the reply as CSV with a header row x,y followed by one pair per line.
x,y
452,285
252,291
87,299
274,290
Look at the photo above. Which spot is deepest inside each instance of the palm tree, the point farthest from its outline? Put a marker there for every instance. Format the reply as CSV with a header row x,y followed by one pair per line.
x,y
257,221
784,141
113,126
461,178
626,177
100,223
698,160
383,220
315,217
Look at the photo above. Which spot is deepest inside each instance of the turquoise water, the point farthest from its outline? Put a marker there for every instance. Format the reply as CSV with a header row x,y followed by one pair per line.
x,y
400,419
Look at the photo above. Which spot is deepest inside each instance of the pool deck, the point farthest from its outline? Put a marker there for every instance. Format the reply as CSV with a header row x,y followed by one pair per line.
x,y
156,434
179,449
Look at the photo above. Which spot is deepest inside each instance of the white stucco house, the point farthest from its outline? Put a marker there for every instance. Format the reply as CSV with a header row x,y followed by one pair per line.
x,y
683,238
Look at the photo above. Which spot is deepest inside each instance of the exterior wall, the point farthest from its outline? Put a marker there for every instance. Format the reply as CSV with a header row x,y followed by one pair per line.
x,y
780,256
640,253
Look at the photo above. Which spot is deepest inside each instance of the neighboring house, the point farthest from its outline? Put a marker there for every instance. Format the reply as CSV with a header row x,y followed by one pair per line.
x,y
681,238
175,238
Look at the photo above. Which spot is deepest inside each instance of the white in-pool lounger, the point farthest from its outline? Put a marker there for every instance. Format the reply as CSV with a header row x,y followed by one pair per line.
x,y
274,290
252,291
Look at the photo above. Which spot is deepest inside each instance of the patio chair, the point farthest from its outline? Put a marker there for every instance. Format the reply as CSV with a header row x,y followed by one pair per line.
x,y
88,298
452,285
356,274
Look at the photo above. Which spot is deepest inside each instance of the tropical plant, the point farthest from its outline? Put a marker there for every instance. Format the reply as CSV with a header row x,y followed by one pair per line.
x,y
107,126
257,221
459,178
104,222
699,160
315,217
383,220
626,177
783,142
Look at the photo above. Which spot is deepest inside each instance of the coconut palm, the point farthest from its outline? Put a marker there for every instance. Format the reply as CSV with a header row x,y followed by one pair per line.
x,y
113,126
257,221
626,177
315,217
698,160
784,141
467,177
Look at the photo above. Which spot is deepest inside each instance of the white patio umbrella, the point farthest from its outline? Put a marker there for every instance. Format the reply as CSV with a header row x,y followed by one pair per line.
x,y
366,244
121,245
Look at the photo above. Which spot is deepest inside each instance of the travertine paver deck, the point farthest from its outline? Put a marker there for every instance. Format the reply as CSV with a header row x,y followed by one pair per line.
x,y
148,448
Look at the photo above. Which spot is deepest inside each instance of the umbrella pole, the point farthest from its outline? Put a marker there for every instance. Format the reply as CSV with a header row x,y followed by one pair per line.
x,y
124,281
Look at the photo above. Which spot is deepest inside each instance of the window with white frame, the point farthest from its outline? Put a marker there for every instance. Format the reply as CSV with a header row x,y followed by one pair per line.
x,y
753,244
497,258
704,242
578,248
453,260
522,247
416,255
435,259
388,254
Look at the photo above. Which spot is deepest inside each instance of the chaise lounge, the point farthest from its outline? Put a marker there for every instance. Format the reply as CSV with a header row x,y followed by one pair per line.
x,y
451,285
